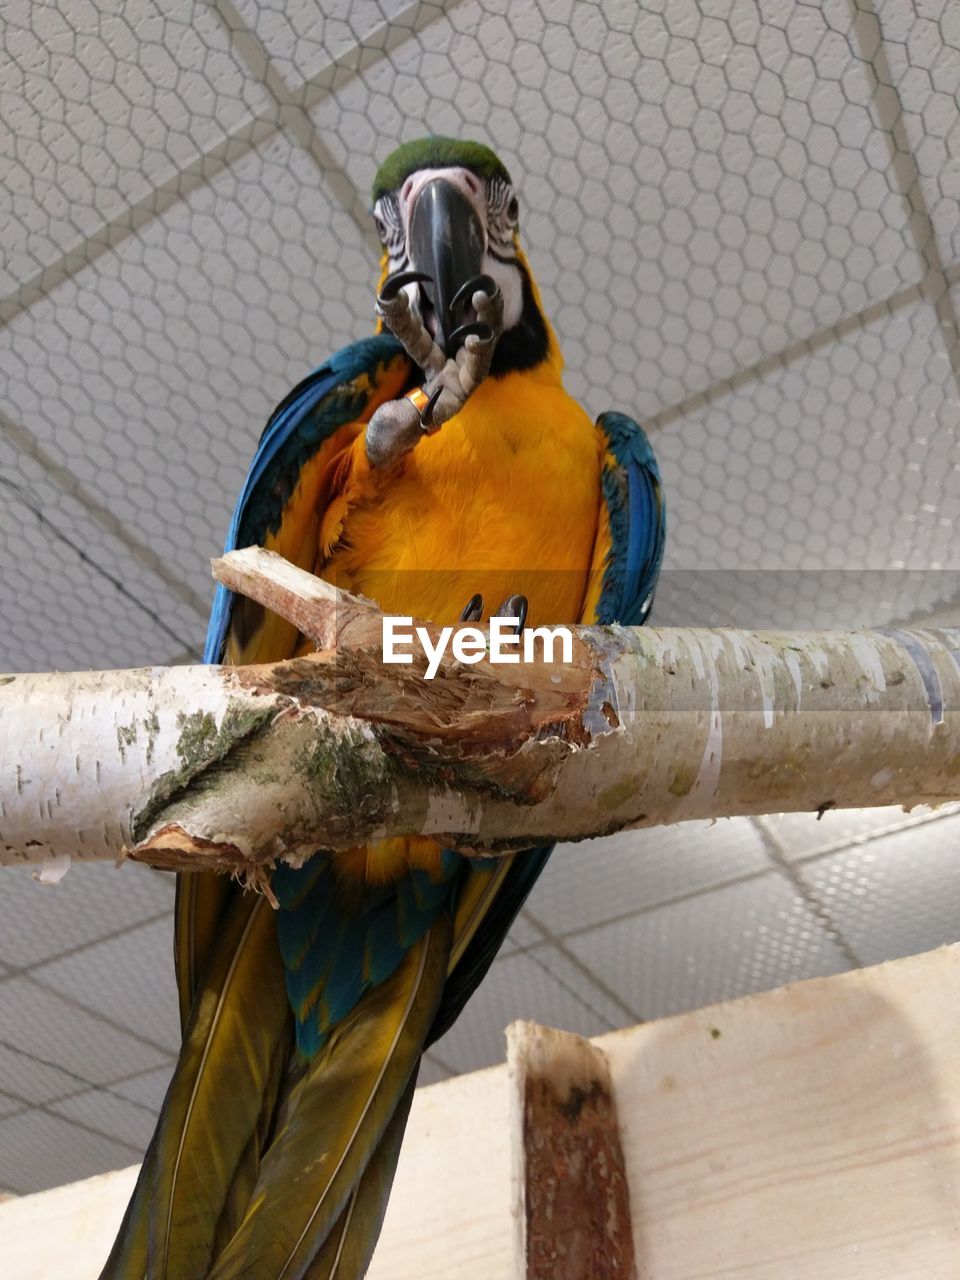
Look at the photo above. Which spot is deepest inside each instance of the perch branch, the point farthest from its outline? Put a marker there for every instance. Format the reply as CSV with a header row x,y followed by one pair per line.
x,y
231,768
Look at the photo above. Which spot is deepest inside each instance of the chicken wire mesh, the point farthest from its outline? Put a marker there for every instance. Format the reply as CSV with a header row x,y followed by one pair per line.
x,y
745,221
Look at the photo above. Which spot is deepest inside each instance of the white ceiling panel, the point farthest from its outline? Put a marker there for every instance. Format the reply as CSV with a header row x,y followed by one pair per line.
x,y
9,1105
116,1117
39,1150
897,895
431,1071
56,1030
731,941
543,985
74,595
24,1076
305,37
140,989
788,599
522,934
102,102
921,44
148,1089
92,901
598,880
803,835
72,632
845,458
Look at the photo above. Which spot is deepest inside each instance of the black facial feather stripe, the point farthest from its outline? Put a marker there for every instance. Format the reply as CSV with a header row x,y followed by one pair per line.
x,y
526,344
501,212
498,196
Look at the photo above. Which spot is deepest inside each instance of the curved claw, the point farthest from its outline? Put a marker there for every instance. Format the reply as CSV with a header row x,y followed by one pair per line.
x,y
515,607
466,291
426,413
399,280
473,609
475,326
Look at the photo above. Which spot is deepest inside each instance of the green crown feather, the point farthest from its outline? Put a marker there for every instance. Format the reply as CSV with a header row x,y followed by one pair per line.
x,y
436,153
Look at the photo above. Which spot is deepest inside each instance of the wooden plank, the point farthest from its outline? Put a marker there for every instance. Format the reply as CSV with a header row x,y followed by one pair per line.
x,y
65,1233
811,1133
450,1211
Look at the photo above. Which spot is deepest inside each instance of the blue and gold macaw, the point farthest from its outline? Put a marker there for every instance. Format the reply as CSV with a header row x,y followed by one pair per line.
x,y
435,465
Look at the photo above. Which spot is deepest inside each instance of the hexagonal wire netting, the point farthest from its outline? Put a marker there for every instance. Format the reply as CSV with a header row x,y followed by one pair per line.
x,y
744,217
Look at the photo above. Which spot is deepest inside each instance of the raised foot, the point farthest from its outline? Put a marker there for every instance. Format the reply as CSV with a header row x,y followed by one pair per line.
x,y
474,344
397,426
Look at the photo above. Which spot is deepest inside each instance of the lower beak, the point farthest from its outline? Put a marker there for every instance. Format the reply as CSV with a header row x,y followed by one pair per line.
x,y
446,244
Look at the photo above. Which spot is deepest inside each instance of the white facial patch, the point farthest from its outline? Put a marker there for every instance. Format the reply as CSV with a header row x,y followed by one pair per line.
x,y
507,276
466,183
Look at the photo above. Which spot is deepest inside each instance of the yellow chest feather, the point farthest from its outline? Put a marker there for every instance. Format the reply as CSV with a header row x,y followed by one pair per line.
x,y
503,498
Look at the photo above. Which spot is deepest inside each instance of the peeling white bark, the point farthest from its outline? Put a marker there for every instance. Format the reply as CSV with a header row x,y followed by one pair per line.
x,y
231,768
80,750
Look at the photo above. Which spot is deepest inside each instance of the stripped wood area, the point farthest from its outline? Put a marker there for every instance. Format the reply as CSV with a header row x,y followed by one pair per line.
x,y
571,1187
808,1133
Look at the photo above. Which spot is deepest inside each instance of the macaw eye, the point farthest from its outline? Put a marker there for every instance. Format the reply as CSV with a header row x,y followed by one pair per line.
x,y
513,209
381,226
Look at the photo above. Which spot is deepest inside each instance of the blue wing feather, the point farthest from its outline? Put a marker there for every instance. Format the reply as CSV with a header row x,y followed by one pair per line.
x,y
338,941
634,497
325,400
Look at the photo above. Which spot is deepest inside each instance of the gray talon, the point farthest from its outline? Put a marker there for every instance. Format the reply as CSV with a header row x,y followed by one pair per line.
x,y
482,283
514,607
392,431
393,308
473,609
398,425
397,281
426,413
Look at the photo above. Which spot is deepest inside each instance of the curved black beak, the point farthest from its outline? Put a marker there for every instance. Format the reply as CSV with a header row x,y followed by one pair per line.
x,y
446,244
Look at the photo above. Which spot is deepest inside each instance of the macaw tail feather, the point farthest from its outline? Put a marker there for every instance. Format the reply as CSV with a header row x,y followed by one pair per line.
x,y
335,1117
219,1103
349,1246
266,1165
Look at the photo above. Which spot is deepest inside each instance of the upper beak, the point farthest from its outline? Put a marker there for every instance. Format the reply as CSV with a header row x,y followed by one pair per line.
x,y
446,244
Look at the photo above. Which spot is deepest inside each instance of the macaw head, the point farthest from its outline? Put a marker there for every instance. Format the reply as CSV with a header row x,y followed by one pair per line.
x,y
448,210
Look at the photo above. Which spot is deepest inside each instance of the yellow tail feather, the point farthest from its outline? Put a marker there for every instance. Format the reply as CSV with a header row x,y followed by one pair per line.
x,y
335,1117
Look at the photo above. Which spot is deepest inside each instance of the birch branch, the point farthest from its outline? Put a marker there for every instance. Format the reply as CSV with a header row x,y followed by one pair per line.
x,y
231,768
